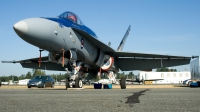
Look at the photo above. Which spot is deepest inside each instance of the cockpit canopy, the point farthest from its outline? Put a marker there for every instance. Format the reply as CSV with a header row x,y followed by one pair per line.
x,y
72,17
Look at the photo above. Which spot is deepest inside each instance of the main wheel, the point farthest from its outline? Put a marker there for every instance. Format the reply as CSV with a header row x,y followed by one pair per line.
x,y
67,84
78,83
29,86
123,83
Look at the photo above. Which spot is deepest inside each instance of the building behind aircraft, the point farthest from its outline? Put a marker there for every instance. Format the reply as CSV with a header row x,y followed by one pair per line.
x,y
163,77
23,82
172,77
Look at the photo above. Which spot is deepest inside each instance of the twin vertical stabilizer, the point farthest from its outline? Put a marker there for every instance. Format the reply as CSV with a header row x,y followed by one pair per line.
x,y
124,39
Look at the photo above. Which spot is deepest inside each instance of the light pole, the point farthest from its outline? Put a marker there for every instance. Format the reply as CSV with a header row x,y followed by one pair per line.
x,y
12,79
132,74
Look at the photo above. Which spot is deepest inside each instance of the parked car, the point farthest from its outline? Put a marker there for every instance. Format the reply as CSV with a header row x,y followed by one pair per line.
x,y
186,82
194,84
41,82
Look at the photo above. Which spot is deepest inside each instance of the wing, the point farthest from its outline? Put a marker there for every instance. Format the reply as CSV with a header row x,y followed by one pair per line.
x,y
45,64
127,61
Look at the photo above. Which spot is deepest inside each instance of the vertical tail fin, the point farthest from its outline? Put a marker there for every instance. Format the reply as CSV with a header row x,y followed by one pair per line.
x,y
121,45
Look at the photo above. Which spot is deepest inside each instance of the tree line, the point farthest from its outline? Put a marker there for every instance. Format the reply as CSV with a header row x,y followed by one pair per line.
x,y
59,77
165,70
30,75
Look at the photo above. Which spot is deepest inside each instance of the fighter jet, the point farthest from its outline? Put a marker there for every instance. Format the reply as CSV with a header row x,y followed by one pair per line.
x,y
74,47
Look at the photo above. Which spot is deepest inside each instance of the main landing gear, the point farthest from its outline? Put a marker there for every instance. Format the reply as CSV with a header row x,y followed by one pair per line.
x,y
112,77
123,83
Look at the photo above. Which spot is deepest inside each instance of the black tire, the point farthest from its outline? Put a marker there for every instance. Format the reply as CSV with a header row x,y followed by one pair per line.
x,y
198,84
189,83
52,85
29,86
78,83
89,82
44,85
67,84
123,83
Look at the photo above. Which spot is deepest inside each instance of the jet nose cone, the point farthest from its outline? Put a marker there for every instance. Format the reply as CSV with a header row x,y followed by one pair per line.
x,y
20,28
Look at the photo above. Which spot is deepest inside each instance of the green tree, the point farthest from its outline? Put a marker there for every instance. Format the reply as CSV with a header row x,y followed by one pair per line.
x,y
119,75
173,70
38,72
3,79
66,75
131,75
23,76
15,78
165,70
28,75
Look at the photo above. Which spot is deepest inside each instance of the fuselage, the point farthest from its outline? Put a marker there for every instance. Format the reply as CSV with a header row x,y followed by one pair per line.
x,y
55,34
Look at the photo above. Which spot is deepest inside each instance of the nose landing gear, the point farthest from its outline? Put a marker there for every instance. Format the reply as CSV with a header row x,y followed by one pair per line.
x,y
75,76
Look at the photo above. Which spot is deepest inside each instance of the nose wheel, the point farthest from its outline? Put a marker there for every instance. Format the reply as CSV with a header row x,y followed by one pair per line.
x,y
74,81
67,84
78,83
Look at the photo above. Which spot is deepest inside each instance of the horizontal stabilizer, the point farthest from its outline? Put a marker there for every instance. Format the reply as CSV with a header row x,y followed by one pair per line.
x,y
9,61
45,64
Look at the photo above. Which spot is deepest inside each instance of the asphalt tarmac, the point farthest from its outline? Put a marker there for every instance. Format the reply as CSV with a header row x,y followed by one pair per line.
x,y
103,100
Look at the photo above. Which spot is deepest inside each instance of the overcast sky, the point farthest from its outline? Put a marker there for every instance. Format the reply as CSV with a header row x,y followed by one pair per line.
x,y
169,27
